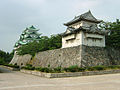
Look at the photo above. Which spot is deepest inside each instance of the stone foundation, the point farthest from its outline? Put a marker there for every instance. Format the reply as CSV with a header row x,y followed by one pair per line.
x,y
82,56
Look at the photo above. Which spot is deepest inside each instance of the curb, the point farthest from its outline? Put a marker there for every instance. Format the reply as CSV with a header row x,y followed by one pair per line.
x,y
69,74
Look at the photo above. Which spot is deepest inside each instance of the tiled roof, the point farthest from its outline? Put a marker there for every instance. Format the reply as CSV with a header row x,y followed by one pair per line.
x,y
91,29
86,16
32,28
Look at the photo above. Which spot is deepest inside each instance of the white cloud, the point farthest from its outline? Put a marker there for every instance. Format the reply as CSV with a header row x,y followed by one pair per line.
x,y
87,4
29,2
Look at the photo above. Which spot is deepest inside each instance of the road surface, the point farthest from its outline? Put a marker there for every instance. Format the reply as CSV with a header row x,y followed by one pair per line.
x,y
20,81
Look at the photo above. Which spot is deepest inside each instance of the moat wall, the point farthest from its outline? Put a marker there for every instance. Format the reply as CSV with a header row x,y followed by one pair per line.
x,y
82,56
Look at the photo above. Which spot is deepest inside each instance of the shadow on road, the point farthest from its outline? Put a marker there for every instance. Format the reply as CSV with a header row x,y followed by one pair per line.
x,y
5,70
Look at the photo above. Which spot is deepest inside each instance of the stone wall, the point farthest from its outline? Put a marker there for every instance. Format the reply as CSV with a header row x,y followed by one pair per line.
x,y
21,60
82,56
60,57
93,56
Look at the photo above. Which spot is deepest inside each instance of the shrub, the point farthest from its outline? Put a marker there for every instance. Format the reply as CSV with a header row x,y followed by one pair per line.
x,y
81,69
65,69
16,66
118,66
28,67
114,67
96,68
73,68
48,70
44,70
99,68
48,65
90,68
58,69
38,68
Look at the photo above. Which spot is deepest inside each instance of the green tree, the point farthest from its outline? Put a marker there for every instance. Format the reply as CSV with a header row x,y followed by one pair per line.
x,y
112,40
30,48
5,57
55,42
45,43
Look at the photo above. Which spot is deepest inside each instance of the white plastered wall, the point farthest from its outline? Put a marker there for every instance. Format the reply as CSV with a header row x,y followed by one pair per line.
x,y
82,38
94,40
72,40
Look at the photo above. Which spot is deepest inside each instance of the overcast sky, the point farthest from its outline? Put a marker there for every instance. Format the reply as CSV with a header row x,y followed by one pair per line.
x,y
48,16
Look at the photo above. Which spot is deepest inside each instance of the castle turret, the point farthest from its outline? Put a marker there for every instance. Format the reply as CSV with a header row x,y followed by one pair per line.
x,y
83,30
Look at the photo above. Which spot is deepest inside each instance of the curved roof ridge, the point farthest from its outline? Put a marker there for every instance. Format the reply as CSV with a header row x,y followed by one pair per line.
x,y
85,16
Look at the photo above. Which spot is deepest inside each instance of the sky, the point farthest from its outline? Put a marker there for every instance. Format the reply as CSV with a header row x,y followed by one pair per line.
x,y
48,16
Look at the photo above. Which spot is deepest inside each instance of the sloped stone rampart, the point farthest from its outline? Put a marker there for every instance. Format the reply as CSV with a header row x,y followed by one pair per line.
x,y
82,56
21,60
60,57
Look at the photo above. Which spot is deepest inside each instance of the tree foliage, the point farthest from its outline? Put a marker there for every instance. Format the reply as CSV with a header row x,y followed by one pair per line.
x,y
5,57
45,43
112,40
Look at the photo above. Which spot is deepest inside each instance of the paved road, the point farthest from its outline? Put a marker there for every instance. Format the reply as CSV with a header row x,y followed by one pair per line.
x,y
21,81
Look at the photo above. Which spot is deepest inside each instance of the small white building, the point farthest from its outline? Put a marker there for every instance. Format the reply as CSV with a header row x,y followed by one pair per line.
x,y
83,30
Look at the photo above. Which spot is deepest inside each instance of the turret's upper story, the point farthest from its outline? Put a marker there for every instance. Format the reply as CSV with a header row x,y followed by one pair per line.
x,y
85,22
86,19
83,30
